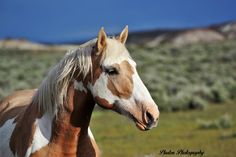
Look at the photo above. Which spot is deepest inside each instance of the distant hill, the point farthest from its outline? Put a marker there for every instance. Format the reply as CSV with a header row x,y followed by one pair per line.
x,y
181,37
24,44
150,38
21,44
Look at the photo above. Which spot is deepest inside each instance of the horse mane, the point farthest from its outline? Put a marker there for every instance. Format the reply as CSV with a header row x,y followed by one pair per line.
x,y
52,92
53,89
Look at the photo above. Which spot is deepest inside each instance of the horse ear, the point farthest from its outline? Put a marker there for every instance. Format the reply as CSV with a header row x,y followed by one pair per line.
x,y
123,35
101,42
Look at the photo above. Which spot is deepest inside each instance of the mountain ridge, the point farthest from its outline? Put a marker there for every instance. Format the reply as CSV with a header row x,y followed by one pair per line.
x,y
150,38
214,32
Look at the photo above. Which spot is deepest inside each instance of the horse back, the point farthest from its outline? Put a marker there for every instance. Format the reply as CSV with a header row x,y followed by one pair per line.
x,y
10,108
15,104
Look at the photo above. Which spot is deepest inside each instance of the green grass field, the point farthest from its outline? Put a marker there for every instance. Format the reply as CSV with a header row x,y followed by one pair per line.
x,y
117,136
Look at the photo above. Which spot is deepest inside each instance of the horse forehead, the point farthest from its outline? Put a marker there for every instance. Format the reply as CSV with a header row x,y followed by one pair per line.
x,y
115,52
113,44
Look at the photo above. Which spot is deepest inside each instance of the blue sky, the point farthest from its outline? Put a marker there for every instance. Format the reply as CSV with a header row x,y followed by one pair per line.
x,y
73,20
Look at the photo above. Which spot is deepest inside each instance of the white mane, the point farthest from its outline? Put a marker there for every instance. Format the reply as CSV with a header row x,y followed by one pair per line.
x,y
53,89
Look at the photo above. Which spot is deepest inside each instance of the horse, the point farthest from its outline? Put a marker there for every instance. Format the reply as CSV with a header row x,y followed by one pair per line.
x,y
53,120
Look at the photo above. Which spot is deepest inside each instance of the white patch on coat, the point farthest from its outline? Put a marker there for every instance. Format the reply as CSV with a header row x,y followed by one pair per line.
x,y
42,133
5,136
90,134
100,89
79,86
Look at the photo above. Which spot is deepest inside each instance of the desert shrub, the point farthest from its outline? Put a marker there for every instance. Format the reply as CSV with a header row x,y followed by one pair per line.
x,y
162,100
186,101
178,78
232,91
207,124
221,123
180,101
227,135
225,121
200,91
230,85
219,92
197,103
21,69
2,93
234,134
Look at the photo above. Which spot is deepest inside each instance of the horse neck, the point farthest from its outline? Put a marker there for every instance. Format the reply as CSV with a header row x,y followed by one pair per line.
x,y
69,127
73,120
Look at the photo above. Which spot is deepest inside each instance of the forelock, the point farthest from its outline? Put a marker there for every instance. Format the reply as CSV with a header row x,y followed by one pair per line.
x,y
115,52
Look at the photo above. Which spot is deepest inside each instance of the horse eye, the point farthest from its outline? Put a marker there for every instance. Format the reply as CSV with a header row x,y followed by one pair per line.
x,y
111,71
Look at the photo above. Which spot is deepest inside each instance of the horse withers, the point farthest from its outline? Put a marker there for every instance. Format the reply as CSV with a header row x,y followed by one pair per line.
x,y
53,121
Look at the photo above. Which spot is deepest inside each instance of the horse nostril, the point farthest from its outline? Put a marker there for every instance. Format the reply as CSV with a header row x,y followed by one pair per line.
x,y
149,118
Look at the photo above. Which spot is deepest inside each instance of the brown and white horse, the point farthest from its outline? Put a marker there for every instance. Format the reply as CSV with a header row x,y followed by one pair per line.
x,y
53,121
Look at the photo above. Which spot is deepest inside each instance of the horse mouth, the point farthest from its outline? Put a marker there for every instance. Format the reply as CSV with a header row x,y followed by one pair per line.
x,y
140,125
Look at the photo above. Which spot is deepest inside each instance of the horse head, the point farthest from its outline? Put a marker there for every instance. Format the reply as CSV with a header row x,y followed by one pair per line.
x,y
116,84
